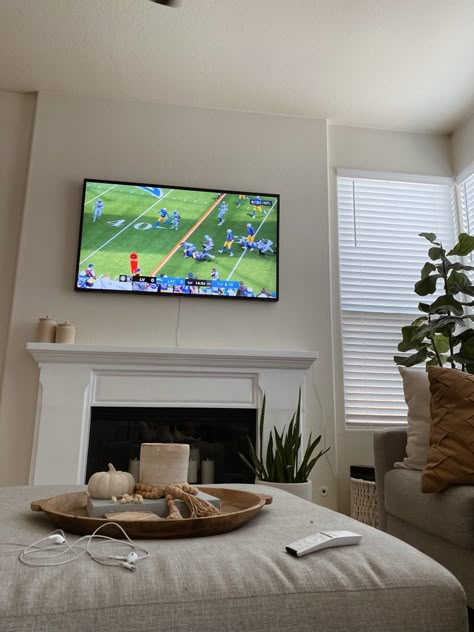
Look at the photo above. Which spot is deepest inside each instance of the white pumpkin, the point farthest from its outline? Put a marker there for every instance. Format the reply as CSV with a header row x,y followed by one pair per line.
x,y
111,483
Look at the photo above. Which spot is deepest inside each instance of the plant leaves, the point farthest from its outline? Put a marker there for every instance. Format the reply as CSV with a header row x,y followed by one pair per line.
x,y
455,265
430,237
441,343
262,421
467,350
423,307
448,304
436,253
427,269
413,359
459,282
280,463
270,461
463,336
427,285
410,333
464,246
443,324
303,475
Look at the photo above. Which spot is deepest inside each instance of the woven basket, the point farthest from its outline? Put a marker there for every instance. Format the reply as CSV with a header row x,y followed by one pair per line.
x,y
364,502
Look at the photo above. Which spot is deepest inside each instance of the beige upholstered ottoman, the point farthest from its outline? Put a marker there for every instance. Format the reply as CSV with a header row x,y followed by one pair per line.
x,y
240,581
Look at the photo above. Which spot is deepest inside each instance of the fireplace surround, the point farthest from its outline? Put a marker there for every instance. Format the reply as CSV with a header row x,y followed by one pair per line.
x,y
75,378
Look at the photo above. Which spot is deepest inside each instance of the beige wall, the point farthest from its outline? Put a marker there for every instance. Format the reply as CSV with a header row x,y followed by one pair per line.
x,y
16,124
462,142
76,138
373,150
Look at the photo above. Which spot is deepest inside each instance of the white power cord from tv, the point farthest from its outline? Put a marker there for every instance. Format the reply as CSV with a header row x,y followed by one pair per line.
x,y
46,551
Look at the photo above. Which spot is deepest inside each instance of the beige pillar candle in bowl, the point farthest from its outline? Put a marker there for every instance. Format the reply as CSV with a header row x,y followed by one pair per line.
x,y
162,463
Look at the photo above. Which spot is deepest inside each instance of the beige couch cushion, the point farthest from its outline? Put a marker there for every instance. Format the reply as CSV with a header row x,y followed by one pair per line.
x,y
416,388
451,452
448,515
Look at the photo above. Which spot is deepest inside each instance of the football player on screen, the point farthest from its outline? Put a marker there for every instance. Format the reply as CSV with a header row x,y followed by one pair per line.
x,y
250,234
207,243
228,243
175,219
98,208
257,206
163,218
241,200
222,211
202,256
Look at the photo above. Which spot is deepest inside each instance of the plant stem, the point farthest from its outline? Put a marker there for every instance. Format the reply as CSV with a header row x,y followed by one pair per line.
x,y
447,293
438,357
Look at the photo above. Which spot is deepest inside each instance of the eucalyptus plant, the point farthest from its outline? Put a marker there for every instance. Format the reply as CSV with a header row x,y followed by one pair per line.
x,y
444,334
281,463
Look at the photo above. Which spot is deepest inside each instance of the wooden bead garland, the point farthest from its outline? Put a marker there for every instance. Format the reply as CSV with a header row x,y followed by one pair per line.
x,y
150,491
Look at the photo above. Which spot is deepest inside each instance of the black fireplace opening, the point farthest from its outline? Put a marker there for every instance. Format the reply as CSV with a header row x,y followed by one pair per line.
x,y
215,434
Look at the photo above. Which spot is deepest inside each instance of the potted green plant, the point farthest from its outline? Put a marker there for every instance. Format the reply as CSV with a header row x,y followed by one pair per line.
x,y
444,333
283,465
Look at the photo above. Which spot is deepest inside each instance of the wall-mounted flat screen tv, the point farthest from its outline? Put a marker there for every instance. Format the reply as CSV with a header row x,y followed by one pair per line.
x,y
170,240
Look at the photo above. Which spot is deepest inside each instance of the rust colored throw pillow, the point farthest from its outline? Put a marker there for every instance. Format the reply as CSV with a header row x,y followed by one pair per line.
x,y
451,453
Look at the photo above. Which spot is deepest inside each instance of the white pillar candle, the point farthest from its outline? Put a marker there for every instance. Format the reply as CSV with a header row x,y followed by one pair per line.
x,y
193,471
207,471
194,455
134,469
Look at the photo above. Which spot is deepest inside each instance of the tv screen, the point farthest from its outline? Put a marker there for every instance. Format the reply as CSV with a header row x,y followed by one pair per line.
x,y
161,240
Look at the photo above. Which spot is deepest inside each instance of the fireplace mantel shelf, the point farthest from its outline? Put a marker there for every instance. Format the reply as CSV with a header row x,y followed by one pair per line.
x,y
122,355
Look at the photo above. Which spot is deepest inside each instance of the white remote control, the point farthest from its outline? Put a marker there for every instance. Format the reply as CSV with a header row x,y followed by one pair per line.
x,y
322,540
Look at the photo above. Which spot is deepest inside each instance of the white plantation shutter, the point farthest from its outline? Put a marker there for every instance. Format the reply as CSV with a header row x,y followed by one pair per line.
x,y
466,197
381,256
466,203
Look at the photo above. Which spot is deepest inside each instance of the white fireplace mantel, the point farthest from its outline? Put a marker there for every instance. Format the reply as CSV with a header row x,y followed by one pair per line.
x,y
74,378
120,355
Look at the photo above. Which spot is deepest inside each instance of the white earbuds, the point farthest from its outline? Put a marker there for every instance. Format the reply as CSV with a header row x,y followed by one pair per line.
x,y
130,559
37,554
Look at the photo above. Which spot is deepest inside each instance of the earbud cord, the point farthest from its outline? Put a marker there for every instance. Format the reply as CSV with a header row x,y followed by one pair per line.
x,y
109,560
43,553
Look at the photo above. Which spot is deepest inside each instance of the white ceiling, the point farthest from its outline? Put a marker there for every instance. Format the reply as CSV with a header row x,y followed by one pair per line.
x,y
396,64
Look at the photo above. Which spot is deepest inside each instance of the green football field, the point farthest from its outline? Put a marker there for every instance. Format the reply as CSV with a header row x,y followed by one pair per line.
x,y
129,224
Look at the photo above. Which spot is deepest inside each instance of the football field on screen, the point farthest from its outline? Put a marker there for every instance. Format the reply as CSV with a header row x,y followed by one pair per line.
x,y
129,224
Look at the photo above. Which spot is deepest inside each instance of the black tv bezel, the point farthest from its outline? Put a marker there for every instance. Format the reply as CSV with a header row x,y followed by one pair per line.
x,y
269,300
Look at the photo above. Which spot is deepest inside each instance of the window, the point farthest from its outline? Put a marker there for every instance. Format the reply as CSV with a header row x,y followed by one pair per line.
x,y
466,199
380,258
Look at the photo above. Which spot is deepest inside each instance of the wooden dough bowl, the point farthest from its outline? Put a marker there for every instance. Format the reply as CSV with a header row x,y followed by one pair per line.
x,y
68,512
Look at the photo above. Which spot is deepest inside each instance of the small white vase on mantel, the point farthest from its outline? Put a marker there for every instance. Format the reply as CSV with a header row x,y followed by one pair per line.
x,y
302,490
